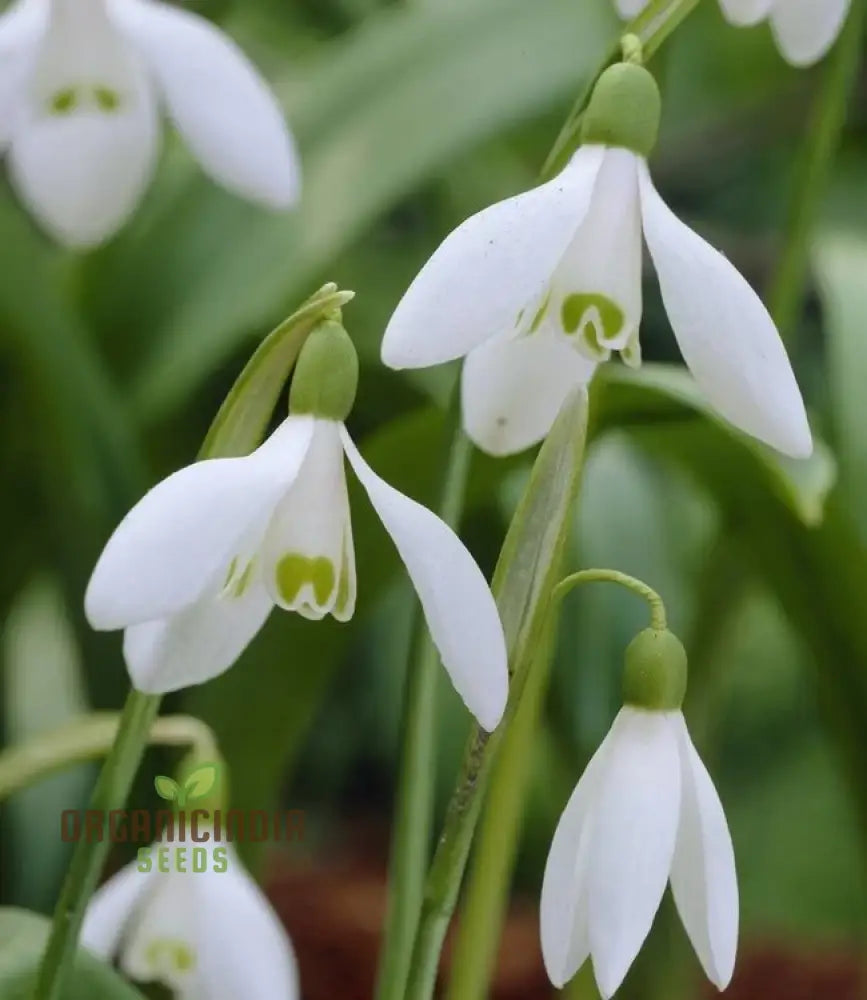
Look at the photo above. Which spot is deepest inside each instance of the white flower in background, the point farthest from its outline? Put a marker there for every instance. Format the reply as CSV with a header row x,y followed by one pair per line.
x,y
206,935
81,85
645,812
538,288
804,30
195,568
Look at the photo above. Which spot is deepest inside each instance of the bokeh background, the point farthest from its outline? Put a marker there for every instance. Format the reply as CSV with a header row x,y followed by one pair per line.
x,y
410,116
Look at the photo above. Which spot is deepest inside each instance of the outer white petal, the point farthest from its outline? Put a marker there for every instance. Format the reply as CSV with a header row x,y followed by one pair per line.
x,y
563,906
219,102
21,30
196,644
635,825
180,538
746,12
490,269
703,877
512,389
243,948
312,525
111,909
630,8
806,29
457,602
725,334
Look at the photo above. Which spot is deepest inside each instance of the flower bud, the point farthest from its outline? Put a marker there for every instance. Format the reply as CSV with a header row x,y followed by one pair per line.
x,y
624,110
654,675
326,375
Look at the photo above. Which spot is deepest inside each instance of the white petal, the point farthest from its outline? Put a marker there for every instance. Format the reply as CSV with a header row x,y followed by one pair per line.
x,y
602,264
457,602
563,906
161,944
512,389
703,877
181,537
630,8
725,334
22,27
806,29
746,12
635,825
196,644
84,144
309,565
216,97
490,269
111,908
243,948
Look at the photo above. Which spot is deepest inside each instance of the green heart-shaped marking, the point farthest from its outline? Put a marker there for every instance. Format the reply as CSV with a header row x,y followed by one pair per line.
x,y
295,571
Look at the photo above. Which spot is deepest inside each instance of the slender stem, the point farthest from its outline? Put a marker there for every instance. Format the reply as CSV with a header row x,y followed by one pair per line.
x,y
652,27
824,129
411,840
525,576
639,587
90,738
112,788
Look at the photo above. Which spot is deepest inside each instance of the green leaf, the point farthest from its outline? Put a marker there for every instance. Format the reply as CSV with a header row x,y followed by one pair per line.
x,y
22,939
440,78
201,781
841,266
167,788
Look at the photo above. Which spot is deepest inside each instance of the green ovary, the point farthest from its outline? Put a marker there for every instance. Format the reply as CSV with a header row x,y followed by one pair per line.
x,y
573,317
295,571
170,956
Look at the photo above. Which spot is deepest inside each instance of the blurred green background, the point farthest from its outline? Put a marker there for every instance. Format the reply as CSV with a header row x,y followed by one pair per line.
x,y
410,116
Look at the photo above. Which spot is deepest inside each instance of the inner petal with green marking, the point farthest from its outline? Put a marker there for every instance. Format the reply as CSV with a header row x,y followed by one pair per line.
x,y
171,960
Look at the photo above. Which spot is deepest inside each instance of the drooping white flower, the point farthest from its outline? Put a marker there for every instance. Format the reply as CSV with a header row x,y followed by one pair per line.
x,y
644,812
804,30
206,933
81,83
537,289
195,568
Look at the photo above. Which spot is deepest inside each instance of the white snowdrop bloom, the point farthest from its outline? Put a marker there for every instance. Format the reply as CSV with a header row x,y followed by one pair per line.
x,y
804,30
206,933
644,812
193,571
537,289
82,83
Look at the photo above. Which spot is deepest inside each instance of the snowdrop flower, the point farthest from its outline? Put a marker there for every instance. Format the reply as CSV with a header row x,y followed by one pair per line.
x,y
195,568
804,30
537,289
206,933
645,812
81,84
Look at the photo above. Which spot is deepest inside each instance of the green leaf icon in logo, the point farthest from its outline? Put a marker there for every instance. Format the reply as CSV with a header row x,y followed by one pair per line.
x,y
200,782
167,788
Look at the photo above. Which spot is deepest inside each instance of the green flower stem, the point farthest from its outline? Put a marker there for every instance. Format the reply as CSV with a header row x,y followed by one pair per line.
x,y
90,738
411,841
825,127
487,892
525,576
652,27
89,856
658,620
